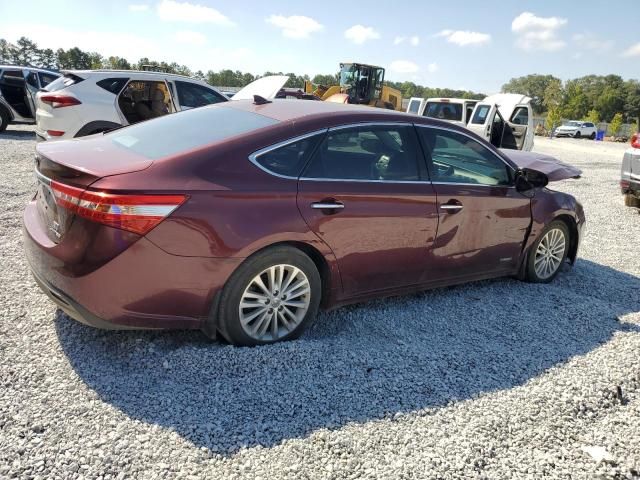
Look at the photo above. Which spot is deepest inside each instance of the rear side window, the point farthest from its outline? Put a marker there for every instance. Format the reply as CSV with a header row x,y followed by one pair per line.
x,y
289,159
46,78
589,125
191,95
480,116
172,134
371,153
113,85
414,106
65,81
444,111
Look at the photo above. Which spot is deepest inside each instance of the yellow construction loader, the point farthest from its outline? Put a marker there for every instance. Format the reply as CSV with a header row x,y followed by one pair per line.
x,y
360,84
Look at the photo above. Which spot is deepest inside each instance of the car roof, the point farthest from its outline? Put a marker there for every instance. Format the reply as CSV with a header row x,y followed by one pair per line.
x,y
451,100
285,110
122,73
36,69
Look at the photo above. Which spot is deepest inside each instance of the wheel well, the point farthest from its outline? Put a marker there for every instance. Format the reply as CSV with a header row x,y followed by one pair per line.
x,y
573,235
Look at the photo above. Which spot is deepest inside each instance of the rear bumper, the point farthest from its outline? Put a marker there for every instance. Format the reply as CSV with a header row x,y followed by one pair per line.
x,y
142,287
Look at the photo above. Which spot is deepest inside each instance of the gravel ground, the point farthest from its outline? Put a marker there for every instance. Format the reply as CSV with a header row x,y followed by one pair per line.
x,y
499,379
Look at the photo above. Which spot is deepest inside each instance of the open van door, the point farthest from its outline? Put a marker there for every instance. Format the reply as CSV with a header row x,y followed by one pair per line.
x,y
482,119
416,105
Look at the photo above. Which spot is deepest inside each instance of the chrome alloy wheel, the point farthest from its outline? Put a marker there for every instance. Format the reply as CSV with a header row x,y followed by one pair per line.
x,y
550,253
274,303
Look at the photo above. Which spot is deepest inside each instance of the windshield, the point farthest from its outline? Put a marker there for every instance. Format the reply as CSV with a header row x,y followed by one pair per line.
x,y
444,110
573,124
179,132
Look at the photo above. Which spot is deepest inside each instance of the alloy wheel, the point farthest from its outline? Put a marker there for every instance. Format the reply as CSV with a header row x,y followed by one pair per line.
x,y
550,253
274,303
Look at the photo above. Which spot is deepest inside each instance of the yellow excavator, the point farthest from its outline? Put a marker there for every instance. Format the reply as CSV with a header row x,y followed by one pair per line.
x,y
360,84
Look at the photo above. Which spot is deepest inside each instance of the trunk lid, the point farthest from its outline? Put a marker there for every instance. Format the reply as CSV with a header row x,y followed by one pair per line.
x,y
75,165
553,168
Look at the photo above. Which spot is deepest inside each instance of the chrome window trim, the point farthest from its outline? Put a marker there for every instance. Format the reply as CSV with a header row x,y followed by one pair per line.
x,y
363,180
373,123
253,158
509,166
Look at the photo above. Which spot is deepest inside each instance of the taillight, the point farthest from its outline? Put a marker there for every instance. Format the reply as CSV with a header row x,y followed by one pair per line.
x,y
59,101
135,213
635,140
624,184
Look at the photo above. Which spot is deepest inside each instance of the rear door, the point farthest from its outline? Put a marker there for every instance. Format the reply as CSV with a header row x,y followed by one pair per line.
x,y
32,88
366,196
482,119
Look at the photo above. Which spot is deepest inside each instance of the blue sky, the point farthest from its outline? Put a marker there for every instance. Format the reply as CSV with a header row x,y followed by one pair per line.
x,y
476,45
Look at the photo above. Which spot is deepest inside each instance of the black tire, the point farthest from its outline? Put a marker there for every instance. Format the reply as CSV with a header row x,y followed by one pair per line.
x,y
229,324
531,274
4,119
577,135
592,136
631,201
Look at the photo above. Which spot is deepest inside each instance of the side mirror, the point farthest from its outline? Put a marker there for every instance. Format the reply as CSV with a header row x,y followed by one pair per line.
x,y
528,179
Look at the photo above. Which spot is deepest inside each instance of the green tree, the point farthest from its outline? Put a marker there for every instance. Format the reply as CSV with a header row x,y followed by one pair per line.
x,y
326,80
24,52
576,102
47,59
593,116
616,123
5,51
532,86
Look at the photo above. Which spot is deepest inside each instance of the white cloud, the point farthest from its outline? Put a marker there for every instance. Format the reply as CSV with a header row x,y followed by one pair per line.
x,y
538,33
399,40
190,38
433,67
632,51
589,41
172,11
465,38
295,26
404,66
138,8
360,34
414,41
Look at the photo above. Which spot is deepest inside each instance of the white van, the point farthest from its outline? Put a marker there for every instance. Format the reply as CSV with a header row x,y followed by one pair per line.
x,y
454,110
504,119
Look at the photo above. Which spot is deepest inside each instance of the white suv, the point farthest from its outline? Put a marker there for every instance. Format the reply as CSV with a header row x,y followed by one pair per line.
x,y
577,129
91,101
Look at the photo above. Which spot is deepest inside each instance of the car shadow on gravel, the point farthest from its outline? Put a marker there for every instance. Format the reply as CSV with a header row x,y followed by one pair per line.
x,y
10,134
356,364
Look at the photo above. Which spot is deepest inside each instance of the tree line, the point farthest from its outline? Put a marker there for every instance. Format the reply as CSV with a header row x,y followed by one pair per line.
x,y
595,98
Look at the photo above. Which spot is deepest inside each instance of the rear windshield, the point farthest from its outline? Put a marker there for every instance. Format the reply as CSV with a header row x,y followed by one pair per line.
x,y
178,132
65,81
444,110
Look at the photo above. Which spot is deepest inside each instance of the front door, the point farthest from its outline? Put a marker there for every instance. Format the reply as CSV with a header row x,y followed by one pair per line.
x,y
483,219
366,196
482,119
516,132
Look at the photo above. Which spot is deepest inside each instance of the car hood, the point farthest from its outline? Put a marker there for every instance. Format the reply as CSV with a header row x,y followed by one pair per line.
x,y
266,87
553,168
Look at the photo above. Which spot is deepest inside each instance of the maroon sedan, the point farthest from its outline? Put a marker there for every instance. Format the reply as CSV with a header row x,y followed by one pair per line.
x,y
245,218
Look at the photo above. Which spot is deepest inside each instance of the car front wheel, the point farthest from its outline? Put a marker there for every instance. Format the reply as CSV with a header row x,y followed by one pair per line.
x,y
577,134
4,119
272,297
548,253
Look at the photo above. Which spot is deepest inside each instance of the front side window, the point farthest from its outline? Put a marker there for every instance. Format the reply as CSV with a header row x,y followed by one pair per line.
x,y
191,95
520,116
366,153
289,159
414,106
480,117
456,158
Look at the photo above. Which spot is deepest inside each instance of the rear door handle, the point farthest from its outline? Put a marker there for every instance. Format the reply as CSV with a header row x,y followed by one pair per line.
x,y
327,205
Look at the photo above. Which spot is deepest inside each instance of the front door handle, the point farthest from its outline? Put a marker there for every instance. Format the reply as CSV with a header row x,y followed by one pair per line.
x,y
453,206
327,205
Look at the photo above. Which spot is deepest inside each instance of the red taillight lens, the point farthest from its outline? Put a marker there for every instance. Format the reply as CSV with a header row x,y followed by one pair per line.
x,y
635,140
135,213
59,101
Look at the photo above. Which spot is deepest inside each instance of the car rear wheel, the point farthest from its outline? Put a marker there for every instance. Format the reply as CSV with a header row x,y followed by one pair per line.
x,y
548,253
272,297
592,136
4,119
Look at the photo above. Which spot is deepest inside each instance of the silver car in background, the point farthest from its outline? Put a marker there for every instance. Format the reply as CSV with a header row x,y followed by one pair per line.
x,y
630,176
18,89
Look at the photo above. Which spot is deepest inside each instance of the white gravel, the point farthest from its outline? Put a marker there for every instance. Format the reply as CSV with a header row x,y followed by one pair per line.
x,y
499,379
